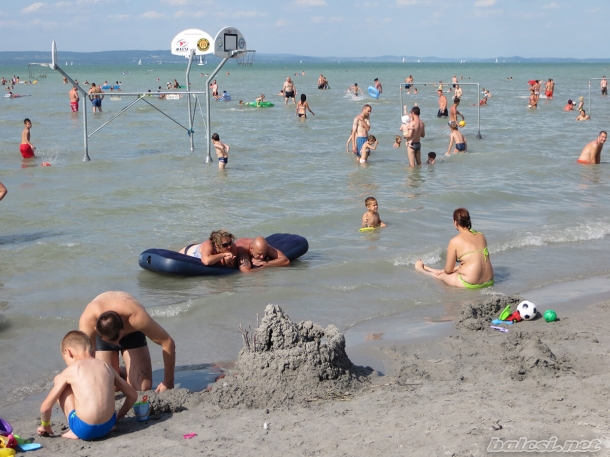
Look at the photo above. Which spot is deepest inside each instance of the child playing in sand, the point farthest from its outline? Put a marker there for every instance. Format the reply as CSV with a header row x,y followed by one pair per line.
x,y
458,138
371,217
431,158
397,141
365,151
26,148
85,392
222,151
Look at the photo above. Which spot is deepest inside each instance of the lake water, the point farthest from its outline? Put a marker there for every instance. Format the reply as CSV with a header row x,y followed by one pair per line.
x,y
73,230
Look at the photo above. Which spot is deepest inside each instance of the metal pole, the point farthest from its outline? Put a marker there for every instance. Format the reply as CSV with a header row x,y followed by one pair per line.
x,y
479,112
207,101
401,104
590,96
86,157
188,101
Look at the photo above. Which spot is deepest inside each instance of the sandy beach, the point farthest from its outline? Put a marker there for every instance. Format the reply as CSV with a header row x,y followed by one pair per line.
x,y
468,393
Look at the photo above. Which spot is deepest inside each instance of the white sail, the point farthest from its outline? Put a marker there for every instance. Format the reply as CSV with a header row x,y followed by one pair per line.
x,y
140,62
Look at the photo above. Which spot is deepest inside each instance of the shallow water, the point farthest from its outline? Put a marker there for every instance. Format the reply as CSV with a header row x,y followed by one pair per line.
x,y
76,229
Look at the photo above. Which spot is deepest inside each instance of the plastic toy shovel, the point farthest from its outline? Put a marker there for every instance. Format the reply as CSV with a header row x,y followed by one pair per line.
x,y
504,314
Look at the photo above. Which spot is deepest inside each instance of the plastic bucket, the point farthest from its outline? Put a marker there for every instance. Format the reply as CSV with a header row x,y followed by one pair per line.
x,y
141,410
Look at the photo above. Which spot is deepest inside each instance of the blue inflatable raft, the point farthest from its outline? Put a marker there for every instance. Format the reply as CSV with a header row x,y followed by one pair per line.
x,y
172,262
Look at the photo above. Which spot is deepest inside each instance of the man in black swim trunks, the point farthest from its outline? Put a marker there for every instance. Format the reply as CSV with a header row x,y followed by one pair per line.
x,y
442,105
289,90
415,132
116,322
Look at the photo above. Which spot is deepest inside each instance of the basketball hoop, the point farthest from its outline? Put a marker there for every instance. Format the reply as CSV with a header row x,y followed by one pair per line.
x,y
245,58
37,71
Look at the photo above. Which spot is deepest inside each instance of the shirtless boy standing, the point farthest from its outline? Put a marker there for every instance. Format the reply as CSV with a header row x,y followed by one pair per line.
x,y
458,139
591,153
85,392
415,133
27,149
222,151
371,217
453,111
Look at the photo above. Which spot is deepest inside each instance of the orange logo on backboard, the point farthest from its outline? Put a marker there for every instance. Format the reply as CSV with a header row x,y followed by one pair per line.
x,y
203,44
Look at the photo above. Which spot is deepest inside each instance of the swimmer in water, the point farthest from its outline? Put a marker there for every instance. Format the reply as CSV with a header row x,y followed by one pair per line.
x,y
367,147
371,218
303,107
591,153
431,158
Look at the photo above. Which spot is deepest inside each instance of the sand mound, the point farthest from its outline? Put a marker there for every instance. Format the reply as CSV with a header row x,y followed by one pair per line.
x,y
170,401
284,363
478,316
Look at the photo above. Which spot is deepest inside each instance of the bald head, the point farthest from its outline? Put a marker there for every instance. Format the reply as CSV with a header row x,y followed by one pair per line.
x,y
258,248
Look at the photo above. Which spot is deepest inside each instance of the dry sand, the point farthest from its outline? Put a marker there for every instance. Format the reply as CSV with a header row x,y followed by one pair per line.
x,y
448,397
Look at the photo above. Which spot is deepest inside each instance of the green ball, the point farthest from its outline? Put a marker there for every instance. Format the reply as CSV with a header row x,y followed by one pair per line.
x,y
550,315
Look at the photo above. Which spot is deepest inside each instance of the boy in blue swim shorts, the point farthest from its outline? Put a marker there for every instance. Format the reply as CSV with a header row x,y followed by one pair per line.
x,y
85,392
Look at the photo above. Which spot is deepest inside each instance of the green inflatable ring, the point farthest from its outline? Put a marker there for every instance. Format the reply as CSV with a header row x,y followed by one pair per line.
x,y
259,105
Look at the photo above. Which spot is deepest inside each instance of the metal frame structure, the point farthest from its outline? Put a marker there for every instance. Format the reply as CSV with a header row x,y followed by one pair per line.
x,y
461,84
592,79
141,97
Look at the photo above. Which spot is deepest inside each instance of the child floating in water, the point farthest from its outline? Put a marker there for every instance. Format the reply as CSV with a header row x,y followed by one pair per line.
x,y
222,151
397,141
371,217
85,392
260,99
431,158
458,138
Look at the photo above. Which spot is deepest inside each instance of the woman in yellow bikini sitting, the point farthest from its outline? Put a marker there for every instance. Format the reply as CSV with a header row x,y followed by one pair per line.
x,y
469,250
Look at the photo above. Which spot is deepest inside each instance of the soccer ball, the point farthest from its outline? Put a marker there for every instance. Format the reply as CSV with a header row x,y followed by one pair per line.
x,y
527,310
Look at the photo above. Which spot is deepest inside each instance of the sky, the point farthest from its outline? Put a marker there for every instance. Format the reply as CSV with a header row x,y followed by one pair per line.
x,y
324,28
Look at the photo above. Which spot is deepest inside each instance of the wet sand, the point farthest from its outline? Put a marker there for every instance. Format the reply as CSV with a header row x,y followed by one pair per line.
x,y
450,395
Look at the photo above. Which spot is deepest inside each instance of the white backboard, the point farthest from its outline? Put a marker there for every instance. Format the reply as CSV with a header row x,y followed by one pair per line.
x,y
228,40
190,39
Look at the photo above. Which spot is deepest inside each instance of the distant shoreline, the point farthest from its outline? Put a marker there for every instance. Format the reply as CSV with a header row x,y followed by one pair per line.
x,y
164,56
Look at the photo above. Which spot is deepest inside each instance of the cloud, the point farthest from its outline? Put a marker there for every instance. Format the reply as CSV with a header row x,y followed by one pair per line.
x,y
310,3
407,2
367,5
33,7
550,6
484,3
120,17
152,15
62,4
282,23
177,2
321,19
185,13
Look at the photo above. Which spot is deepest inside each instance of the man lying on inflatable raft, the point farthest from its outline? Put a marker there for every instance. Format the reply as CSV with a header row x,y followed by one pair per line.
x,y
221,254
221,249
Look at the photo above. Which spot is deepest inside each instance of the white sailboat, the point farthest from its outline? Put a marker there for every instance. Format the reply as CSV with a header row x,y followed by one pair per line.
x,y
140,62
201,61
496,60
403,60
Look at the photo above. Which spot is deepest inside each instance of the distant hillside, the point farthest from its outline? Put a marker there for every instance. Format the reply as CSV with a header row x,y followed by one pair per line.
x,y
165,56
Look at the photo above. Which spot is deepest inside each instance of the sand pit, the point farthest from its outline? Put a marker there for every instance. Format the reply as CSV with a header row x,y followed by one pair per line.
x,y
283,363
461,395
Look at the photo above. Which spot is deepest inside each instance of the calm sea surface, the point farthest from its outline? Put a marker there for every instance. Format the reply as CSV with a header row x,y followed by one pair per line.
x,y
73,230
